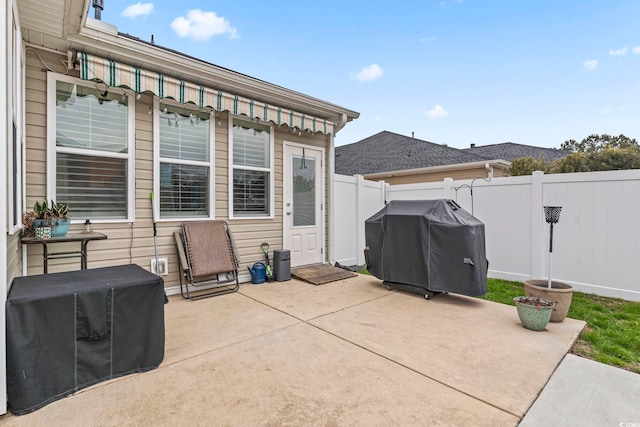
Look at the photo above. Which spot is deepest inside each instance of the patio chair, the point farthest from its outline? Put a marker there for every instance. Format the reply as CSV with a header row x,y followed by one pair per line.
x,y
208,259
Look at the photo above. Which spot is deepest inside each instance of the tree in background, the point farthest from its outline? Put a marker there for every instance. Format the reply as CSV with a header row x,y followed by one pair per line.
x,y
594,153
596,143
526,166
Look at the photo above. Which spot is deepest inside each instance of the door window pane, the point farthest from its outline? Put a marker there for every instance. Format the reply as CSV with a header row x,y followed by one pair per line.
x,y
304,191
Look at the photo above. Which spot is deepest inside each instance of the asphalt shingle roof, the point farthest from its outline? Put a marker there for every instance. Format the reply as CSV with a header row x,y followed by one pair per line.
x,y
388,151
509,151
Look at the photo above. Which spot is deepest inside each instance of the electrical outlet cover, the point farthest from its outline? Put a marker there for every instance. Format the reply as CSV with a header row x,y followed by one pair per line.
x,y
163,266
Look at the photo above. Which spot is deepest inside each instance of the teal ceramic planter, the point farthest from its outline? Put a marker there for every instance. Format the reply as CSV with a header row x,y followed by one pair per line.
x,y
60,226
534,312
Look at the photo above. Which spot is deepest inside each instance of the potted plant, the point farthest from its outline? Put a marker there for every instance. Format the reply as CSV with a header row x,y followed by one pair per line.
x,y
559,293
534,312
54,216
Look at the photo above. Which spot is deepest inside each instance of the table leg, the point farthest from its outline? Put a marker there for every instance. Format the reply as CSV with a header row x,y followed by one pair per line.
x,y
83,255
45,258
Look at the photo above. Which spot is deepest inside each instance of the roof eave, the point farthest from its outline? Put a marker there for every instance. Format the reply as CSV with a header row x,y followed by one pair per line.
x,y
103,39
497,164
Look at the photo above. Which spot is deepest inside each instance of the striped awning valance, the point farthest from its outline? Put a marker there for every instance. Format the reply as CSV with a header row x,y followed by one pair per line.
x,y
140,80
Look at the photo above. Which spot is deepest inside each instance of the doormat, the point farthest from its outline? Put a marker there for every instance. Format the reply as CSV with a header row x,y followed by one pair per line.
x,y
321,274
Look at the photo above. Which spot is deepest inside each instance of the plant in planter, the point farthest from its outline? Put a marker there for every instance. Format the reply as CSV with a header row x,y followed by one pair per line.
x,y
558,292
534,312
54,216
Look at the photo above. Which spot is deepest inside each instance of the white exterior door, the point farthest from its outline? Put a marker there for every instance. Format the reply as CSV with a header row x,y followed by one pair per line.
x,y
303,200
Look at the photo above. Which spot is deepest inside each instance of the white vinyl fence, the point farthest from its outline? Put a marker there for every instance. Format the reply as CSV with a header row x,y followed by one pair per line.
x,y
596,243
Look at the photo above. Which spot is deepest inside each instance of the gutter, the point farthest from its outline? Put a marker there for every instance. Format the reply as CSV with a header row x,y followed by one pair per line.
x,y
497,164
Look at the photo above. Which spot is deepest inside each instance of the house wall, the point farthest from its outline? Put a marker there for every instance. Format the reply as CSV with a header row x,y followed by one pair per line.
x,y
133,242
14,257
596,241
479,172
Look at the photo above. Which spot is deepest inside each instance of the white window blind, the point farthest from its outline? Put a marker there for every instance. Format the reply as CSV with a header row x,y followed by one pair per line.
x,y
92,186
92,146
185,162
251,173
250,192
86,119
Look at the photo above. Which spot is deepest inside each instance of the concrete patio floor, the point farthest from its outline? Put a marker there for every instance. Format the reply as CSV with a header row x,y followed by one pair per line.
x,y
344,353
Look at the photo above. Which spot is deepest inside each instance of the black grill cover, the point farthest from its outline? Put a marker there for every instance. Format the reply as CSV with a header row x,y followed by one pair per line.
x,y
67,331
427,245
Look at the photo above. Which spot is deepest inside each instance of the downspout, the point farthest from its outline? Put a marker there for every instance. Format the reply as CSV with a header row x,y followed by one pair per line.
x,y
342,121
332,167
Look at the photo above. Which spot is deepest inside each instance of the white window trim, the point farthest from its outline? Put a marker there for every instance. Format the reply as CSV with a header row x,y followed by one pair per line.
x,y
14,225
156,166
52,78
271,170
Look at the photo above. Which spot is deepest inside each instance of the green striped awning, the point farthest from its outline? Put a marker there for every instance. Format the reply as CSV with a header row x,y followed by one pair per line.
x,y
140,80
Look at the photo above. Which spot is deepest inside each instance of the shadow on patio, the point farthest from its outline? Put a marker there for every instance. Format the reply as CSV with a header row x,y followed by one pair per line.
x,y
348,352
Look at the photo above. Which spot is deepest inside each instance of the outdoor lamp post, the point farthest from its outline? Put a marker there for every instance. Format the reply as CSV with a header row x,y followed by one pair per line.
x,y
551,215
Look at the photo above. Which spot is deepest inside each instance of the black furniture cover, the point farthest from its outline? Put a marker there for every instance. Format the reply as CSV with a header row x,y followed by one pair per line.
x,y
427,246
67,331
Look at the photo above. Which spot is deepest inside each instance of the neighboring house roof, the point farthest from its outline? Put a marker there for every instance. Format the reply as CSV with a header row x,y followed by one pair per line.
x,y
510,150
388,151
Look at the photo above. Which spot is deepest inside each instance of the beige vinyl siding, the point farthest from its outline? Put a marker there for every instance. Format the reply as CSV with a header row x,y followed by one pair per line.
x,y
133,242
35,139
471,173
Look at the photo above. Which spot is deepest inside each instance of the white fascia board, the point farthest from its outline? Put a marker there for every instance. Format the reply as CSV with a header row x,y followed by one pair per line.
x,y
498,164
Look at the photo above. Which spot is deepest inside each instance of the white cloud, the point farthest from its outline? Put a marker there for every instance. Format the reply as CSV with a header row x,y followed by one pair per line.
x,y
138,9
618,52
590,65
610,110
636,50
372,72
436,112
201,25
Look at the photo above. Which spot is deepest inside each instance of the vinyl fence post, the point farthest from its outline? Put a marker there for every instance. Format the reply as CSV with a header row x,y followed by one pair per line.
x,y
537,222
447,183
360,209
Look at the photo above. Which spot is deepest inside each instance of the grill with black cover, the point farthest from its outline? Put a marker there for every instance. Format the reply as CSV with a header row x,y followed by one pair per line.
x,y
427,247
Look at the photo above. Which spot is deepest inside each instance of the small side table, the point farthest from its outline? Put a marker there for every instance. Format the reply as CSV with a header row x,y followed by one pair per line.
x,y
83,238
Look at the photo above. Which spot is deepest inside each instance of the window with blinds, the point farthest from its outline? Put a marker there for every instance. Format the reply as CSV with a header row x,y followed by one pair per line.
x,y
92,150
251,169
185,162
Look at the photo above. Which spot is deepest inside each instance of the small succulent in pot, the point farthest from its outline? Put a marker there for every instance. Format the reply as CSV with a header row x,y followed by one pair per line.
x,y
44,214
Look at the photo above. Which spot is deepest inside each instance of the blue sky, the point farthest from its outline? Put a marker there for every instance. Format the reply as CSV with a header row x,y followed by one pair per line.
x,y
453,72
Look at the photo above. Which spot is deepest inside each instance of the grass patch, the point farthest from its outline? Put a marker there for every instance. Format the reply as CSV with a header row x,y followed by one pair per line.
x,y
611,335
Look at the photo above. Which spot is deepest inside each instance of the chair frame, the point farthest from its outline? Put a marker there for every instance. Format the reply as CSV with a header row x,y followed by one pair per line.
x,y
217,284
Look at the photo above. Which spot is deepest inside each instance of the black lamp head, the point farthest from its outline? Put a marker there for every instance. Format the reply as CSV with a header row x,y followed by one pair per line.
x,y
552,214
